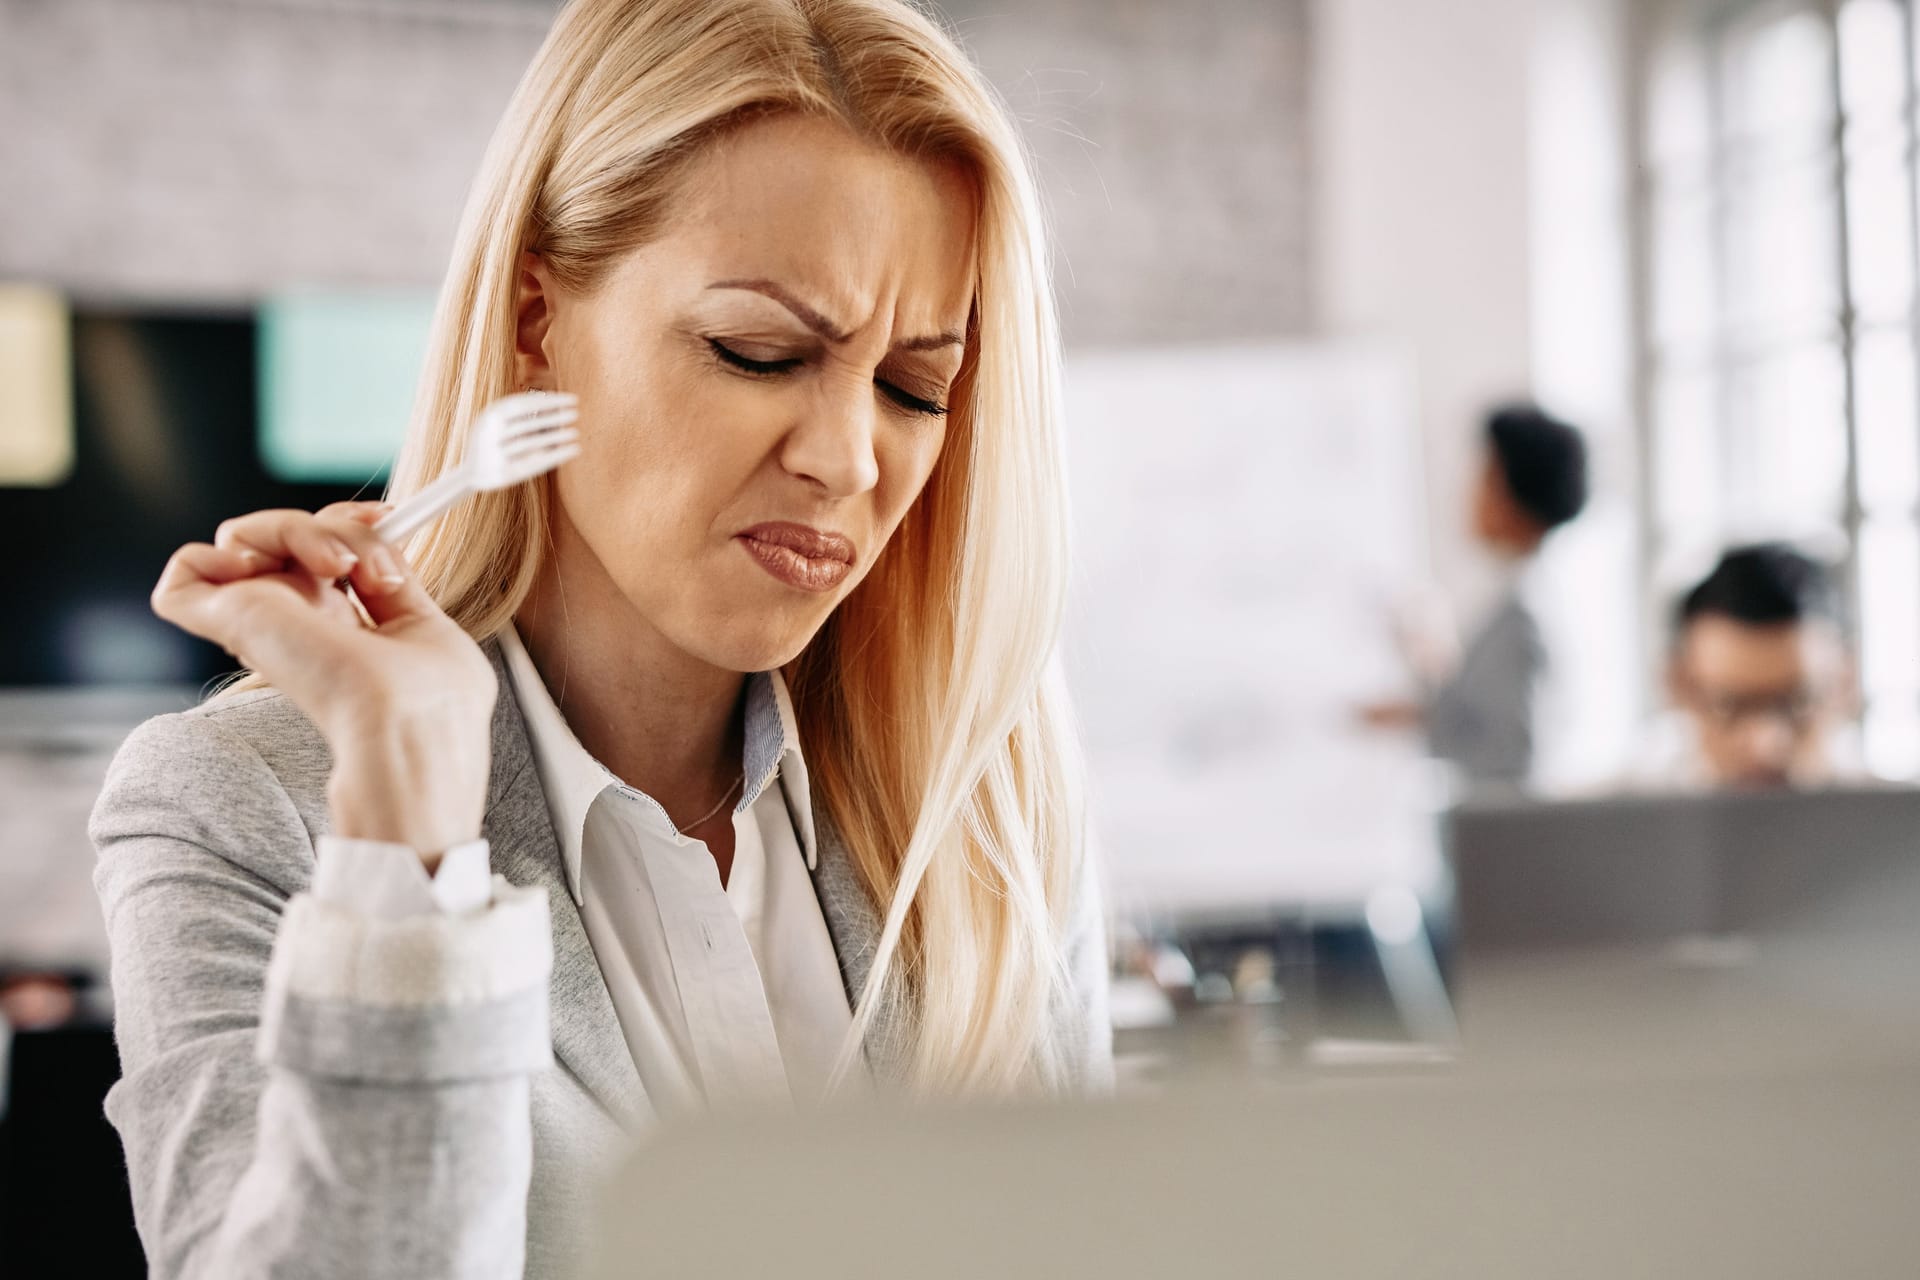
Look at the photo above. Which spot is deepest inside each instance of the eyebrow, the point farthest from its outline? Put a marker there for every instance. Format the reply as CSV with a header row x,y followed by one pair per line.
x,y
824,327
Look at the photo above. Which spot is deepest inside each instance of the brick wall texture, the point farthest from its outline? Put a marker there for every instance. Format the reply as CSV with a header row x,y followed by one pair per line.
x,y
187,151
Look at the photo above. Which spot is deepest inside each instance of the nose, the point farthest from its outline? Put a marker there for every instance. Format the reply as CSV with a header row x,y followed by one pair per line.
x,y
833,442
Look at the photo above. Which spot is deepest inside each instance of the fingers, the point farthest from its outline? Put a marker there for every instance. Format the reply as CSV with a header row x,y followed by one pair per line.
x,y
291,538
379,573
267,589
391,599
322,547
201,562
190,576
381,569
197,593
388,588
330,544
367,513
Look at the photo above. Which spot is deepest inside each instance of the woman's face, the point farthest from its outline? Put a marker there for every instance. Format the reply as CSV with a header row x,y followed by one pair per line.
x,y
760,386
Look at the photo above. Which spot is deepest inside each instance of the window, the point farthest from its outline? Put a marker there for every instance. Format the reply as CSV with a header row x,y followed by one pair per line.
x,y
36,398
1782,235
337,376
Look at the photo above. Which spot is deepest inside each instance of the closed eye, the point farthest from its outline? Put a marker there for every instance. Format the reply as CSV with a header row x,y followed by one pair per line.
x,y
738,361
769,368
907,400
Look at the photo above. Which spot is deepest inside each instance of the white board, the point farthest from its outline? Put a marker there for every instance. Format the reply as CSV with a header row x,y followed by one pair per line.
x,y
1243,517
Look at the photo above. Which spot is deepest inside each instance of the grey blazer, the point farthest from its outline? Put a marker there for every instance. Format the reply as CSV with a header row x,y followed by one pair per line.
x,y
278,1122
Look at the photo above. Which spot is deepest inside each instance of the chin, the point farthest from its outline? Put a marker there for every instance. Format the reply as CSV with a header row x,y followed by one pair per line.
x,y
743,641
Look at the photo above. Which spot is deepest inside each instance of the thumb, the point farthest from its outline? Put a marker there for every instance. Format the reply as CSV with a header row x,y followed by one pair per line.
x,y
390,597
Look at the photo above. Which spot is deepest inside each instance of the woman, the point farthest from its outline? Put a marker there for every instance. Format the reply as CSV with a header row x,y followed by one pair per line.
x,y
746,709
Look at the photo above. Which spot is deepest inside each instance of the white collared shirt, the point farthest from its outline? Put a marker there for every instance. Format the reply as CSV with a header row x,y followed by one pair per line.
x,y
724,995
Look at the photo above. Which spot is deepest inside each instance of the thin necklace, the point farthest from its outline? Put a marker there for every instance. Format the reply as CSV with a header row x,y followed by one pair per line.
x,y
709,813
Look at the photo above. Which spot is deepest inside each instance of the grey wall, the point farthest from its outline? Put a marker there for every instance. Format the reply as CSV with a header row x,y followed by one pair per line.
x,y
1172,140
215,150
180,150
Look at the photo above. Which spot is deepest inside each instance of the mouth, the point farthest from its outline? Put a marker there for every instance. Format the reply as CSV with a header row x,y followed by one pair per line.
x,y
798,555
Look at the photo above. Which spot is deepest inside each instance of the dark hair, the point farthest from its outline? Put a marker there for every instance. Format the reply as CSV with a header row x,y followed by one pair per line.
x,y
1543,460
1765,584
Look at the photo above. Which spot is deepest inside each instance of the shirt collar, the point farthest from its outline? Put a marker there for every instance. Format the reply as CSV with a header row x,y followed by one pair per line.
x,y
573,779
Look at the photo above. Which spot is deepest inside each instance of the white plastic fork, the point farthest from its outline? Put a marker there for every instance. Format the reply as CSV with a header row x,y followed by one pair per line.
x,y
514,439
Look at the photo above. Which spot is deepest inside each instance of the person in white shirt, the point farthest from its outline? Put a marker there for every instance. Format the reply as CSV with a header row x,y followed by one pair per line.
x,y
725,766
1763,690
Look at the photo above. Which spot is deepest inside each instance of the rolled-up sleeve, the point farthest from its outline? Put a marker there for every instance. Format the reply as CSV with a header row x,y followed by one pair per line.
x,y
307,1089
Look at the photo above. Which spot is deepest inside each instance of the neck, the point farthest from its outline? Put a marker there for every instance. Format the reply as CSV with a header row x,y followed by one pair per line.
x,y
661,720
1516,549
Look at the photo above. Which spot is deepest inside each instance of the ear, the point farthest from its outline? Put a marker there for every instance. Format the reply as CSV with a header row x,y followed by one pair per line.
x,y
534,299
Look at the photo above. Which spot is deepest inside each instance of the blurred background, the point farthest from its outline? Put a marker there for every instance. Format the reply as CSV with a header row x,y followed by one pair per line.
x,y
1305,248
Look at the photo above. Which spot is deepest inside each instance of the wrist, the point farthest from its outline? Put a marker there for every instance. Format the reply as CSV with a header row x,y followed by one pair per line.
x,y
419,785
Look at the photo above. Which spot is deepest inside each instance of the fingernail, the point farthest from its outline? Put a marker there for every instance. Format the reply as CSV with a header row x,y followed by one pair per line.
x,y
386,567
345,552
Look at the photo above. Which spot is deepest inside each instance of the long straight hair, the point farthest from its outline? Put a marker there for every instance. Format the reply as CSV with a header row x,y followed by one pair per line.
x,y
934,733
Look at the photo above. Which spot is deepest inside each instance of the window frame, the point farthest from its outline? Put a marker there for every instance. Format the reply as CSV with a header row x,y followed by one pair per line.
x,y
1657,28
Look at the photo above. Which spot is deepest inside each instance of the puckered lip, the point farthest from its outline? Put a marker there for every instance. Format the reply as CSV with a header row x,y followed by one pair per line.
x,y
815,544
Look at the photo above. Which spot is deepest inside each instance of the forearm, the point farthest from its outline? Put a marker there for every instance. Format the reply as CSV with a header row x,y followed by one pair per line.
x,y
376,1120
394,1132
382,1180
306,1081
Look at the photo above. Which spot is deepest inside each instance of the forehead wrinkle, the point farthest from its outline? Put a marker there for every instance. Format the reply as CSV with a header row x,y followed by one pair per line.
x,y
802,312
825,328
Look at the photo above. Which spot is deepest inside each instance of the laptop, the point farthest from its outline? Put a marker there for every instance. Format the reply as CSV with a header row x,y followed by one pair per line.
x,y
1642,870
1733,1177
1706,928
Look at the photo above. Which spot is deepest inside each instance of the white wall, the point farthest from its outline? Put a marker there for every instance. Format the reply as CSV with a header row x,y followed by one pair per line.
x,y
1471,206
1422,217
1582,327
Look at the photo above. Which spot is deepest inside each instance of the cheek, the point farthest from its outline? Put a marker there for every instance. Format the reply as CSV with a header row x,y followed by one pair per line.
x,y
906,465
664,446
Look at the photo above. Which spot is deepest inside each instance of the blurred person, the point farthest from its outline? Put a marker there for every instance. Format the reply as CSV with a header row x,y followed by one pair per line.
x,y
1760,677
723,767
1480,714
37,1000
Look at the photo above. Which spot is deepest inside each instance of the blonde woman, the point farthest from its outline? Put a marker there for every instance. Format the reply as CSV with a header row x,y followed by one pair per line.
x,y
721,767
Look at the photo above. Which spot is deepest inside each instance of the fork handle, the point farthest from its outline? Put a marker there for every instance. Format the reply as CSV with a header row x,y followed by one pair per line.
x,y
423,506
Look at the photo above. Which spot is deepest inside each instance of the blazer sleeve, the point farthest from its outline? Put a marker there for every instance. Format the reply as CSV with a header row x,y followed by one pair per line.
x,y
1086,1030
305,1091
1483,718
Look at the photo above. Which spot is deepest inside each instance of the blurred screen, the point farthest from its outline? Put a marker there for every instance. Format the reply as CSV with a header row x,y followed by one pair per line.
x,y
337,374
167,443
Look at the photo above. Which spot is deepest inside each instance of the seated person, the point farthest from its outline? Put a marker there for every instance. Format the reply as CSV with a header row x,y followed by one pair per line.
x,y
1760,675
1480,715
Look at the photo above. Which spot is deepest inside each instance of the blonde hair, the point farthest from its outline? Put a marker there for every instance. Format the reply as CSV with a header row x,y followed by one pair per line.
x,y
934,735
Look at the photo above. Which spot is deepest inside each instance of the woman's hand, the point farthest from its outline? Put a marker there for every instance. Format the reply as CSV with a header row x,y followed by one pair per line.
x,y
406,705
